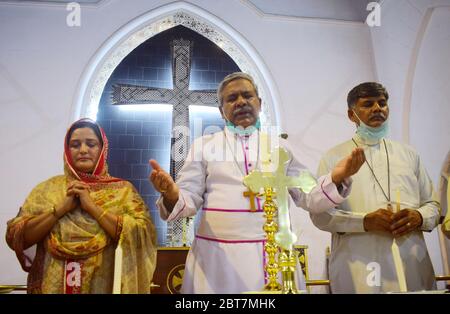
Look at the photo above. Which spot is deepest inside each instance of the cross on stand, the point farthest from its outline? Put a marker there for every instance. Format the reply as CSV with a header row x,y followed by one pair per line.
x,y
280,182
181,98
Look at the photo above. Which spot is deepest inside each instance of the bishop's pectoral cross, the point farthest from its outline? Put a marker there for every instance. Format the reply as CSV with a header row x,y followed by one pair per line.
x,y
280,182
251,195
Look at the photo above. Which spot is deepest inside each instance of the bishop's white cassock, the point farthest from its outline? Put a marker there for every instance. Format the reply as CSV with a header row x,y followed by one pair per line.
x,y
227,255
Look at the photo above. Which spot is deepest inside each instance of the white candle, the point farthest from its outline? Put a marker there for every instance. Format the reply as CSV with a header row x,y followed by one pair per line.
x,y
399,267
265,151
397,201
396,254
183,234
118,269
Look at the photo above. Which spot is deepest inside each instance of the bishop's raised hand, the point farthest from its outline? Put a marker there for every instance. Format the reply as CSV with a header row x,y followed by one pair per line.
x,y
163,183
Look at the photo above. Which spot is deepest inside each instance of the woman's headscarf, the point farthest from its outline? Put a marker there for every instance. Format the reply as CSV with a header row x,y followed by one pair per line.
x,y
100,173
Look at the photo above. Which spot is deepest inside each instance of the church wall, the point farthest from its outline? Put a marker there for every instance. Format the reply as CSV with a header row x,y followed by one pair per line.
x,y
313,62
411,51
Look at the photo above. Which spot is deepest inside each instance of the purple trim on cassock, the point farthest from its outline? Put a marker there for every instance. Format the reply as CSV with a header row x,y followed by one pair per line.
x,y
264,262
231,210
321,186
229,241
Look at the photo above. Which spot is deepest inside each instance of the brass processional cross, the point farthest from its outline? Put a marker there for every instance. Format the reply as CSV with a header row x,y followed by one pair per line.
x,y
275,185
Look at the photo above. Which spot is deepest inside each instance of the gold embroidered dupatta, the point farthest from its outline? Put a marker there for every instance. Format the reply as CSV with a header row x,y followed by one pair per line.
x,y
78,236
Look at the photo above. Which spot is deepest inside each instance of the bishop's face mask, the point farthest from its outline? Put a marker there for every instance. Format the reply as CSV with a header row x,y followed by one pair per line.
x,y
240,130
370,134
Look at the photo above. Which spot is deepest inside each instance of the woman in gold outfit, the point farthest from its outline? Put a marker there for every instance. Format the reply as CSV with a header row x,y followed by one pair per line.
x,y
67,231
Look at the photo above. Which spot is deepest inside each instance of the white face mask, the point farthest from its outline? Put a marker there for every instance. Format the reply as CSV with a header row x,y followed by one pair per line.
x,y
241,130
370,134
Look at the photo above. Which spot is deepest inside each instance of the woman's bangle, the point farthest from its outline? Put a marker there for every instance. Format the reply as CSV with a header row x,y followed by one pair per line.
x,y
102,214
54,212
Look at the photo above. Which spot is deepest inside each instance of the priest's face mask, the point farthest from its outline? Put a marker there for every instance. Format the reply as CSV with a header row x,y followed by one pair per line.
x,y
240,103
373,111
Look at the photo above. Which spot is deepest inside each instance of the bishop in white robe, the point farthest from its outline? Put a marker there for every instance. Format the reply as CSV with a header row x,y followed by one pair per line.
x,y
227,254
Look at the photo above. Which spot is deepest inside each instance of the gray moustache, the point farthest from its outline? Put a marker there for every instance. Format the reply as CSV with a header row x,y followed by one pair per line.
x,y
378,116
243,110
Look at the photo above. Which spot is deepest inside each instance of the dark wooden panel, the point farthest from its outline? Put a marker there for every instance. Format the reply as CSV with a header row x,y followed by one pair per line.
x,y
169,271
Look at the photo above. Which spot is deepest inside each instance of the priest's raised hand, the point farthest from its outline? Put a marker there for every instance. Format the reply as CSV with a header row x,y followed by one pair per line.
x,y
348,166
164,184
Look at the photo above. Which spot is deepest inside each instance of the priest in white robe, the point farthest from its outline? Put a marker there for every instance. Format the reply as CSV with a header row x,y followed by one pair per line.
x,y
227,254
364,226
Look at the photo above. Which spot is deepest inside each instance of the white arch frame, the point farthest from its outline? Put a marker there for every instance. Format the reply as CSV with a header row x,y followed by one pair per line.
x,y
126,39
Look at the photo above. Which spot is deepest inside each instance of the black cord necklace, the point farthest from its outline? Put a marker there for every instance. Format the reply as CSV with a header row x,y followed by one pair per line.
x,y
388,195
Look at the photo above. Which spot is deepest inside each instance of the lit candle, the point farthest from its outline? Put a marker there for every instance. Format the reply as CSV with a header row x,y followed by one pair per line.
x,y
396,254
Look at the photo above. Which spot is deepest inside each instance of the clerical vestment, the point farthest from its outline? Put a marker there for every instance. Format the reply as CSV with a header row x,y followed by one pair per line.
x,y
362,262
227,254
